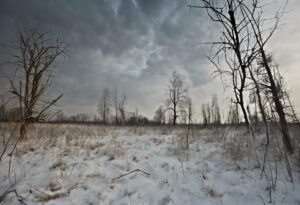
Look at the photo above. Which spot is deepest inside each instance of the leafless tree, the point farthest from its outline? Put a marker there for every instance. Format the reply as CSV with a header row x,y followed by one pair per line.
x,y
189,110
253,113
211,112
37,53
258,95
215,111
235,47
243,41
204,114
60,117
177,94
233,114
116,104
183,116
208,113
159,116
122,108
104,105
261,38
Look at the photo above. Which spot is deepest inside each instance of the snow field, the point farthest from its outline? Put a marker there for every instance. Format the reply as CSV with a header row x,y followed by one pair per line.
x,y
75,167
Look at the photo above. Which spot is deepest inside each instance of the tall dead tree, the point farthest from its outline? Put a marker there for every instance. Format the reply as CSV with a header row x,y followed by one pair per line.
x,y
122,108
177,94
215,111
208,112
258,96
104,105
159,116
116,104
245,35
189,110
235,47
37,54
204,114
233,114
253,14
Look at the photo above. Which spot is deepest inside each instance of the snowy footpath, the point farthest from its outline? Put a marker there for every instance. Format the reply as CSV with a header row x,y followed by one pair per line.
x,y
98,170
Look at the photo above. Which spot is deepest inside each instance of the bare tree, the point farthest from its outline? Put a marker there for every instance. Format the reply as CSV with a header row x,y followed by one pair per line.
x,y
233,114
208,113
177,94
116,105
261,38
189,110
159,116
104,105
215,111
60,117
189,118
122,108
183,116
235,46
253,99
211,112
37,54
204,114
243,41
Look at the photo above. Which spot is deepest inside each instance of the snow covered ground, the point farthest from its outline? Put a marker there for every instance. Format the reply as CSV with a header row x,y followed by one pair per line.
x,y
71,166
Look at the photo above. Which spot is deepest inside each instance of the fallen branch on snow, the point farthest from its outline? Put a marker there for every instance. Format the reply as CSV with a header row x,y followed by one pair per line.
x,y
136,170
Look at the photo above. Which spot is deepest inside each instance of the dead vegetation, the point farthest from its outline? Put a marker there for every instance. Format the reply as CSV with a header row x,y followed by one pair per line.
x,y
67,141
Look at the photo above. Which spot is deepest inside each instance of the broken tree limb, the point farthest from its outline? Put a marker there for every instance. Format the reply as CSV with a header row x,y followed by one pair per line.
x,y
136,170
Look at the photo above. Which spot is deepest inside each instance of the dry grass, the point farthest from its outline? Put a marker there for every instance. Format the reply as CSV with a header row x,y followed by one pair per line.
x,y
137,130
54,186
59,164
94,175
212,192
48,197
71,138
235,148
113,149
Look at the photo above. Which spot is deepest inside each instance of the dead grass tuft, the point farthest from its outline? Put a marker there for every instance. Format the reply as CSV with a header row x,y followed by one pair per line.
x,y
48,197
59,164
212,192
53,186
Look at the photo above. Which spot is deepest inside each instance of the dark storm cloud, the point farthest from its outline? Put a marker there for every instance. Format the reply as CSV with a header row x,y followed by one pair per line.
x,y
134,45
85,25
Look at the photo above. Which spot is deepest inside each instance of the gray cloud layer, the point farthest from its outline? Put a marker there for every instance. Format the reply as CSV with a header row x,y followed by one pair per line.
x,y
133,44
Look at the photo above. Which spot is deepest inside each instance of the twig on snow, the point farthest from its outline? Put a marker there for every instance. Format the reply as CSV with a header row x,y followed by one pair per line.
x,y
136,170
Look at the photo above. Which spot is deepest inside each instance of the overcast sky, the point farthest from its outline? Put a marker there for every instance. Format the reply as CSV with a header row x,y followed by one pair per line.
x,y
135,45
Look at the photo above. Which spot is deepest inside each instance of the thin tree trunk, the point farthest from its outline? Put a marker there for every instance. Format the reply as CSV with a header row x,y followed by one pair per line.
x,y
174,118
278,106
23,131
237,51
261,107
241,103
